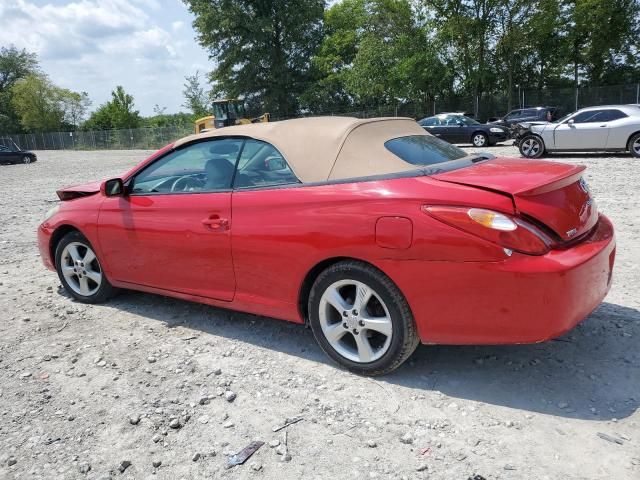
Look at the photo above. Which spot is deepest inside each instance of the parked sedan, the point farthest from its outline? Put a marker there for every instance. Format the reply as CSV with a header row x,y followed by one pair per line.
x,y
12,153
457,128
377,234
613,128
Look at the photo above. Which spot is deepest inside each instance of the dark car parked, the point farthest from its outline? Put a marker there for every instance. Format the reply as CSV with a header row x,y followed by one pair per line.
x,y
12,153
457,128
534,114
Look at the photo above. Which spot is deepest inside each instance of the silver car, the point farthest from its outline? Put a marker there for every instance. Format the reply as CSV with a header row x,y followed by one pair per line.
x,y
611,128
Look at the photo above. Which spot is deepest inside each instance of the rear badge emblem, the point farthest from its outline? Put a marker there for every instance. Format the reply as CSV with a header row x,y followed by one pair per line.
x,y
572,232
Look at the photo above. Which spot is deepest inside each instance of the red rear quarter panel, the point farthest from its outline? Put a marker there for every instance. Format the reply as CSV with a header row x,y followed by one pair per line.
x,y
279,235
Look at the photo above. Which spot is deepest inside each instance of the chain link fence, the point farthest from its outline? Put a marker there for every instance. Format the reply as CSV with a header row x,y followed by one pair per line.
x,y
127,139
483,108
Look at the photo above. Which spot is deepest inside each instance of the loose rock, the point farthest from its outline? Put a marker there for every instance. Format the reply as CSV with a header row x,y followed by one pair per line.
x,y
124,465
407,438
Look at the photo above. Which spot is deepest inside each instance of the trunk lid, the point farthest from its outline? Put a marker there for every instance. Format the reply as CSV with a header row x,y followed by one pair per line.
x,y
76,191
554,194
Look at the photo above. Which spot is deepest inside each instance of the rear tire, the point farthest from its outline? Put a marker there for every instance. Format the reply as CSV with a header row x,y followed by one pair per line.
x,y
531,146
634,145
480,139
80,271
360,318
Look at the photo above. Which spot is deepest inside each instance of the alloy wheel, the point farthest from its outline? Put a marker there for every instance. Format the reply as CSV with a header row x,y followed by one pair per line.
x,y
355,321
26,159
479,140
530,147
636,147
81,269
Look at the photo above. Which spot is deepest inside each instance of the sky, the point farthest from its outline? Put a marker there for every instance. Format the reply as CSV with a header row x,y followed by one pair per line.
x,y
147,46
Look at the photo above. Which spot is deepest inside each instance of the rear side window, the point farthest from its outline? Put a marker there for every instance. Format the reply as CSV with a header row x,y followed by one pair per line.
x,y
423,150
429,122
262,165
610,115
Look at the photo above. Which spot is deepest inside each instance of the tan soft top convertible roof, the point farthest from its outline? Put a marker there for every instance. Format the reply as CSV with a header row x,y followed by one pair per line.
x,y
329,148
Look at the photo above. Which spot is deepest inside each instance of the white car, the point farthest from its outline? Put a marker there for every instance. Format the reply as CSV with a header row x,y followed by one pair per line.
x,y
611,128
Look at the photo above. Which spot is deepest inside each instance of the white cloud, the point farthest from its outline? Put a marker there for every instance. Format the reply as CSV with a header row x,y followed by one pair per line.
x,y
94,45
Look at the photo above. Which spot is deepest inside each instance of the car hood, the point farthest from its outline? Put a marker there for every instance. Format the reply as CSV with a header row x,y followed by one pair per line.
x,y
75,191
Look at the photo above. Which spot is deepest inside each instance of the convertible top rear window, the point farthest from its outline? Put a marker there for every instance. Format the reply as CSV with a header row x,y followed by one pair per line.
x,y
423,150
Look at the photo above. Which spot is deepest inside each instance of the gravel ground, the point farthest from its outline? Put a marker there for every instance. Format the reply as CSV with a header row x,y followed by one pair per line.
x,y
144,380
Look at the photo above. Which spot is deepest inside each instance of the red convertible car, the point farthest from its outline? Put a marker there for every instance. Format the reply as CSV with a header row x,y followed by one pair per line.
x,y
377,234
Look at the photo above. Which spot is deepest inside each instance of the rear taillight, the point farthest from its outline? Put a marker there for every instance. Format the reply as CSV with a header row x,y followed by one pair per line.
x,y
507,231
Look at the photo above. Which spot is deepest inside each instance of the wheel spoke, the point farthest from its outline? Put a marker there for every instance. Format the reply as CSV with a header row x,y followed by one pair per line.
x,y
363,295
68,271
95,276
75,254
89,257
365,352
378,324
84,286
334,332
335,299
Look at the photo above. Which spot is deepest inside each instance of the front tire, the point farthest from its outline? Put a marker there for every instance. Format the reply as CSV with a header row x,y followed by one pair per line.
x,y
26,159
634,145
80,271
360,318
480,139
531,146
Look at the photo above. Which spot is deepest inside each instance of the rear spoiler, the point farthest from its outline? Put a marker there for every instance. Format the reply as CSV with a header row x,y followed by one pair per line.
x,y
562,181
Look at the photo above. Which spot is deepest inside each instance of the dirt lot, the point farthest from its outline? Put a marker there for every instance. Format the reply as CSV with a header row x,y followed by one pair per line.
x,y
85,388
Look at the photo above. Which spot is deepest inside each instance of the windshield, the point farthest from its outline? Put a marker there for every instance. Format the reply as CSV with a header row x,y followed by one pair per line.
x,y
423,150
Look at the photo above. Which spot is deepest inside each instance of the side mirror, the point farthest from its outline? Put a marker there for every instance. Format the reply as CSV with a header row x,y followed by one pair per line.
x,y
571,122
113,188
460,123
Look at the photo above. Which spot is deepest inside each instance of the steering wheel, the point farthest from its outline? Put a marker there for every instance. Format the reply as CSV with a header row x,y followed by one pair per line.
x,y
186,183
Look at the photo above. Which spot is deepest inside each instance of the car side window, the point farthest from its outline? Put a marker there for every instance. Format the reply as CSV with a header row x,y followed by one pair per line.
x,y
590,116
513,115
195,168
262,165
4,149
429,122
610,115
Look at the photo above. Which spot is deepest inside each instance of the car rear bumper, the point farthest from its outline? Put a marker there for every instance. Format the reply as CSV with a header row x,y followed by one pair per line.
x,y
523,299
44,242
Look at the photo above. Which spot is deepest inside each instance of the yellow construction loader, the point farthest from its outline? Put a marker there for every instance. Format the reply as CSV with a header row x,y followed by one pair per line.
x,y
227,112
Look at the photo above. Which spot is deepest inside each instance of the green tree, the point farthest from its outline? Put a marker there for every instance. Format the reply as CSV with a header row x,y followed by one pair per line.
x,y
262,49
118,113
14,65
375,51
38,104
74,106
197,100
600,33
